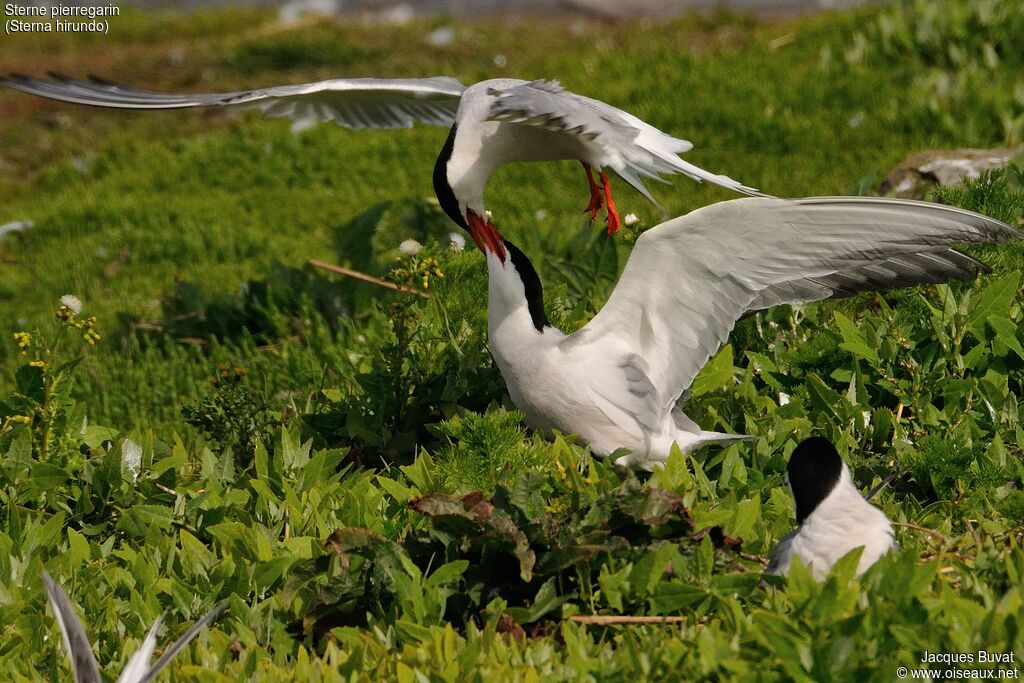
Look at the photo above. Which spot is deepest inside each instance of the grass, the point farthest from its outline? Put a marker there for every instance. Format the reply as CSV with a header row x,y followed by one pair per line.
x,y
311,445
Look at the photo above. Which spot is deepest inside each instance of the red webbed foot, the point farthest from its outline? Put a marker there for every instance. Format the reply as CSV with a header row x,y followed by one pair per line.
x,y
596,201
614,224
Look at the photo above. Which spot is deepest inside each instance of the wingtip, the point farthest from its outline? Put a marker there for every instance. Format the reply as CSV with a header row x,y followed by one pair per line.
x,y
100,80
15,77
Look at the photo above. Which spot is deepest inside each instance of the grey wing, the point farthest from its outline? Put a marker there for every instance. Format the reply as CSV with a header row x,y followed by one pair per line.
x,y
83,663
547,105
138,663
689,280
350,102
782,555
180,644
631,147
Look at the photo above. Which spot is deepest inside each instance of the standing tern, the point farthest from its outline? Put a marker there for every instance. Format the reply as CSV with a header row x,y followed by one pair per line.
x,y
137,670
832,516
616,382
493,122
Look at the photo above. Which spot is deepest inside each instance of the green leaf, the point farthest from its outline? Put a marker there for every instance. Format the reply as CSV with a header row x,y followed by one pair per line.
x,y
716,373
854,340
28,382
448,573
993,301
137,520
1006,334
47,476
401,493
673,596
747,513
268,572
78,549
546,600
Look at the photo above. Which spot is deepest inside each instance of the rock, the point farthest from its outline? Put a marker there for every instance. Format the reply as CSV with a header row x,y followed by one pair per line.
x,y
919,172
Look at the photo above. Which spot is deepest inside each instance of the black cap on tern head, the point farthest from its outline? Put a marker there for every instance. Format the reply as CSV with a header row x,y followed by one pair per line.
x,y
531,284
445,195
814,470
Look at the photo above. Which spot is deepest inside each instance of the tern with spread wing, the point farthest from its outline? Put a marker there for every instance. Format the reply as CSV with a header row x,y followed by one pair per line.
x,y
616,382
493,122
833,517
137,670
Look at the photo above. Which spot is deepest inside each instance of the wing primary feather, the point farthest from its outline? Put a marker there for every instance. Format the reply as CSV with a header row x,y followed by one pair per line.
x,y
83,663
688,280
182,642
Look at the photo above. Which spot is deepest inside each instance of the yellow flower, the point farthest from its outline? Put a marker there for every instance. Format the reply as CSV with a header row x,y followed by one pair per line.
x,y
37,363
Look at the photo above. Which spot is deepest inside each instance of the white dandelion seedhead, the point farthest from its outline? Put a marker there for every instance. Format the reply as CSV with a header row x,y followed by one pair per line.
x,y
410,247
456,242
72,303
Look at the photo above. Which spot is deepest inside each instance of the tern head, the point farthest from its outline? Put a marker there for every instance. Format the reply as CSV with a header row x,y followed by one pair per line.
x,y
514,284
814,470
483,232
443,188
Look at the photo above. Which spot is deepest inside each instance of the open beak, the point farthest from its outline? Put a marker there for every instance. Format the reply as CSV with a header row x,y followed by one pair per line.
x,y
485,235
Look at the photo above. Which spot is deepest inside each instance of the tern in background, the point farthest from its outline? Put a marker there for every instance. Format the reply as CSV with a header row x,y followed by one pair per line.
x,y
833,517
137,670
616,382
493,122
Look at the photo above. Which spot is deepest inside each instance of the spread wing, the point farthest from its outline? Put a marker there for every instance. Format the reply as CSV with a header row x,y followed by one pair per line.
x,y
180,644
350,102
688,280
138,663
632,148
83,663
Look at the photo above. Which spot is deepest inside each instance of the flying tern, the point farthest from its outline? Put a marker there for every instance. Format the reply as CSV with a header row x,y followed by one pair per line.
x,y
137,670
833,517
493,122
616,382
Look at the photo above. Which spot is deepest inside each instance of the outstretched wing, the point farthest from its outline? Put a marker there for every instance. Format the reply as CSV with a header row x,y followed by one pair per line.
x,y
630,147
83,663
138,663
688,280
350,102
180,644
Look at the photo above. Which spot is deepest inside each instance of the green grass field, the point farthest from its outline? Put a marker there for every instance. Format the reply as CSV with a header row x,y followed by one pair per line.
x,y
310,444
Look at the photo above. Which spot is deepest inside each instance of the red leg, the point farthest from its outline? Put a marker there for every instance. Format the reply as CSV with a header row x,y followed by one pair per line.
x,y
595,193
613,215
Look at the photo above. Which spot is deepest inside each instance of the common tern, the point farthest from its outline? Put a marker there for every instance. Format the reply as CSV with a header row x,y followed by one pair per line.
x,y
616,382
137,670
493,122
833,517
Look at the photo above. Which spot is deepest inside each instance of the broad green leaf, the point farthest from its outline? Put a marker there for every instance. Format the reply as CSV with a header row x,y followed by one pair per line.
x,y
854,340
448,573
137,519
267,573
993,302
1006,334
716,373
670,596
47,476
401,493
78,548
747,513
